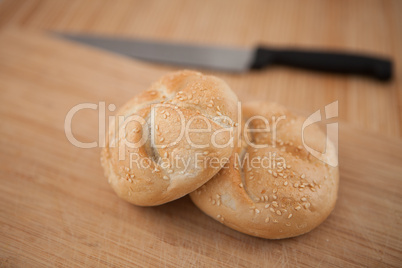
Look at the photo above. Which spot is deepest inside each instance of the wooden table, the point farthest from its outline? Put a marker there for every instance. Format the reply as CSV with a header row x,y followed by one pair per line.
x,y
56,207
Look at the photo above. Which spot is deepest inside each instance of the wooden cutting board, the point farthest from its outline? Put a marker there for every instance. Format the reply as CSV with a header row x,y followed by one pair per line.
x,y
57,209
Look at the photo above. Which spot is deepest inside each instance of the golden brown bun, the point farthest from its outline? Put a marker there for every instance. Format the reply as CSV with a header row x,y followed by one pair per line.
x,y
287,200
158,172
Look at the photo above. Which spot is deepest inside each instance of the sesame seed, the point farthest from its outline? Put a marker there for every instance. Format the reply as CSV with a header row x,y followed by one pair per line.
x,y
307,205
267,206
275,204
241,185
272,210
296,185
165,177
218,203
303,199
257,210
275,190
297,208
278,212
267,219
218,216
275,221
213,202
162,139
302,176
290,215
288,224
285,183
270,171
275,174
210,105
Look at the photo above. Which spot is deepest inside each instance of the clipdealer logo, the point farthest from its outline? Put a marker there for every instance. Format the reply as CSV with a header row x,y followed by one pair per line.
x,y
147,129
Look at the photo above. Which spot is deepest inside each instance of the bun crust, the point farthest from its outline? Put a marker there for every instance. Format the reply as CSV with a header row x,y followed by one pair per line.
x,y
155,172
279,201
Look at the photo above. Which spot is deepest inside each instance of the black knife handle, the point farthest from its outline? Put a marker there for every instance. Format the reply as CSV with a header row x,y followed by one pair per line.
x,y
337,62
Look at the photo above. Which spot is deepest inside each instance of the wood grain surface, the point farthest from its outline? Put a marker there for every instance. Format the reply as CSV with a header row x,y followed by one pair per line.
x,y
56,208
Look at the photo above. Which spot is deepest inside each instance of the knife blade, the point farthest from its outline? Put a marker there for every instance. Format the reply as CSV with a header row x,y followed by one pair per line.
x,y
238,59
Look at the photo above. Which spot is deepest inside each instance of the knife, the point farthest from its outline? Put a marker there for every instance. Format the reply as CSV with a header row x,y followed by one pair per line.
x,y
238,59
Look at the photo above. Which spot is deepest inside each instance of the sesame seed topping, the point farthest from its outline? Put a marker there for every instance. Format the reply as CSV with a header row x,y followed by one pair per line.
x,y
303,176
165,177
275,204
267,206
278,212
285,183
297,208
241,185
162,139
257,210
267,219
290,215
213,202
303,199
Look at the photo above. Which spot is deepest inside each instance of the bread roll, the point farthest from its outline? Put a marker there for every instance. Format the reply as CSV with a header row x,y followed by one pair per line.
x,y
157,157
285,199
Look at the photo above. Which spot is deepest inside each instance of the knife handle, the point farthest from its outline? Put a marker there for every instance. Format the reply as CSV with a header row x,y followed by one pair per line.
x,y
337,62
